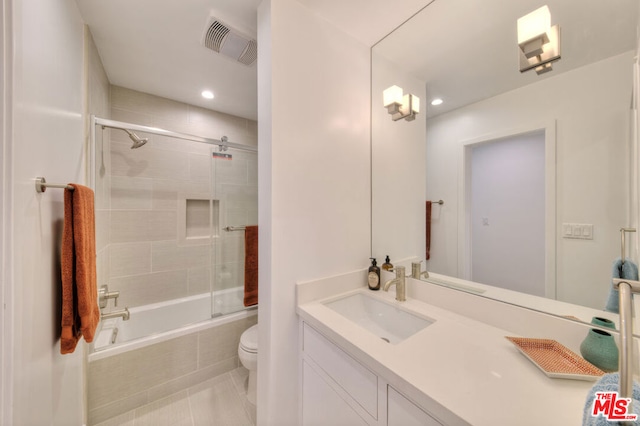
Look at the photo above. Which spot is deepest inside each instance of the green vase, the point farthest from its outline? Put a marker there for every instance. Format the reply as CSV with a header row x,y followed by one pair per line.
x,y
600,349
603,322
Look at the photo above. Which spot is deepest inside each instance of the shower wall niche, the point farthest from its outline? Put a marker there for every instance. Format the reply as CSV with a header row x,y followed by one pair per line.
x,y
167,202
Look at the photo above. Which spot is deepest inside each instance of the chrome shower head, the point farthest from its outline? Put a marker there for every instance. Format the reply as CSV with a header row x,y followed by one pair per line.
x,y
137,140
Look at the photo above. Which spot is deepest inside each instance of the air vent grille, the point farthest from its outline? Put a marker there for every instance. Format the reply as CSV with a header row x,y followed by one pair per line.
x,y
250,54
215,36
227,41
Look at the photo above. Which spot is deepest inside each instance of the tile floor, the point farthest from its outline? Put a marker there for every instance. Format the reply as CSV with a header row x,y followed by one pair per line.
x,y
218,401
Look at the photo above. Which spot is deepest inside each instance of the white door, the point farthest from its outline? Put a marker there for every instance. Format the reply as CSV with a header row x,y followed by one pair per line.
x,y
508,213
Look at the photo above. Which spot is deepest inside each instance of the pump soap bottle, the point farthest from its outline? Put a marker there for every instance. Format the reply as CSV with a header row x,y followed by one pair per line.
x,y
387,266
374,275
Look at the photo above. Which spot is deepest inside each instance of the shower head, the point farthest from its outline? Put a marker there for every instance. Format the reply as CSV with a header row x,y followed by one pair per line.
x,y
137,140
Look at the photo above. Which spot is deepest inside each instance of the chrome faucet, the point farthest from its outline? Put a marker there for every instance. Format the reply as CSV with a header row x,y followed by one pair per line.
x,y
401,289
416,268
123,313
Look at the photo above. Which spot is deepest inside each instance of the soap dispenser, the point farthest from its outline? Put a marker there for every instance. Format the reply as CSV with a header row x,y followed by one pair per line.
x,y
374,275
387,266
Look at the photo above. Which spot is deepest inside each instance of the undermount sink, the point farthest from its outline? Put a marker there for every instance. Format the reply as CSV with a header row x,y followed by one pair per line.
x,y
382,319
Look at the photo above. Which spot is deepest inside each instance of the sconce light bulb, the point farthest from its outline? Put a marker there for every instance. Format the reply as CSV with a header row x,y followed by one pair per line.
x,y
392,95
207,94
534,25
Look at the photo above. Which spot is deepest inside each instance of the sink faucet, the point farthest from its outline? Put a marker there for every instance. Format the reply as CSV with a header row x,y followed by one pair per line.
x,y
416,271
401,289
123,313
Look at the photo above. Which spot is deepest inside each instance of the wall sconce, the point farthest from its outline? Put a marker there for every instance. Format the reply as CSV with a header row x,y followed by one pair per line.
x,y
401,106
539,42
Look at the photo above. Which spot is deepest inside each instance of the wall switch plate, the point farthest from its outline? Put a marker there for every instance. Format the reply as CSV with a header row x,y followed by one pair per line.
x,y
579,231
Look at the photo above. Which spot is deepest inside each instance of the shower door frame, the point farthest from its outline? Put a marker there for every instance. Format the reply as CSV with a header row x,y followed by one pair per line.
x,y
223,144
113,124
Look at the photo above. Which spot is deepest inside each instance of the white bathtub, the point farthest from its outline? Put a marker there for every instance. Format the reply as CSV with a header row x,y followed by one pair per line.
x,y
159,322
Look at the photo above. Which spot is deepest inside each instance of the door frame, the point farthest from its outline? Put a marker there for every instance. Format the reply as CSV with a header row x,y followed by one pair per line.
x,y
464,197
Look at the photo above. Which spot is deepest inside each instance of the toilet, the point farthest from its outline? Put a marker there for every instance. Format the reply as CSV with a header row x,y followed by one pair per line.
x,y
248,354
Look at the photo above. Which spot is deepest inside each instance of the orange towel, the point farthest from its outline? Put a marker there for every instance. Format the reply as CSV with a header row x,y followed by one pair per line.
x,y
250,265
80,312
428,228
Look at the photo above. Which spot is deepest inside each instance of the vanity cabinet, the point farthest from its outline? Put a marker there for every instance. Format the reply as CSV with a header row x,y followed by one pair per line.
x,y
322,405
338,390
402,412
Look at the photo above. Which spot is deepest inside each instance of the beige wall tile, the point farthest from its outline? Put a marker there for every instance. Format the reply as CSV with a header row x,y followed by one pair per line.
x,y
191,379
135,371
148,162
167,256
129,116
139,290
130,259
165,194
199,167
199,280
131,193
103,219
138,226
220,343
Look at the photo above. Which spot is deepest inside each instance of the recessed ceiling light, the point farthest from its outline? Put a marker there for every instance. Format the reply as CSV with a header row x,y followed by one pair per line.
x,y
207,94
436,101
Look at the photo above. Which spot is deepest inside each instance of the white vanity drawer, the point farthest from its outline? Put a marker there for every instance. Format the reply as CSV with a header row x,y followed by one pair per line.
x,y
358,381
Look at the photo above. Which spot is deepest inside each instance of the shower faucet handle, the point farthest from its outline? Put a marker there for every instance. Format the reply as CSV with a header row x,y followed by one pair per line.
x,y
104,295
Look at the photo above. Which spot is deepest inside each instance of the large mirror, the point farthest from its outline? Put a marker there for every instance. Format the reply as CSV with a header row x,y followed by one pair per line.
x,y
537,172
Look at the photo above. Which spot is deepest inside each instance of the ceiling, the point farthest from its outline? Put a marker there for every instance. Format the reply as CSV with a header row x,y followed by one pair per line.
x,y
154,46
467,51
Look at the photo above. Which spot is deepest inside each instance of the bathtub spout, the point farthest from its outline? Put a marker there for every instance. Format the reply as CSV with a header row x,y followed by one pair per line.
x,y
123,313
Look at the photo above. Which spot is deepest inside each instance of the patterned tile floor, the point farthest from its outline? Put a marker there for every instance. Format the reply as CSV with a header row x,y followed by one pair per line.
x,y
218,401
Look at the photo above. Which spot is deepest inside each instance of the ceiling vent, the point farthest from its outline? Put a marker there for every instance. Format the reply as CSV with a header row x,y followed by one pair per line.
x,y
223,39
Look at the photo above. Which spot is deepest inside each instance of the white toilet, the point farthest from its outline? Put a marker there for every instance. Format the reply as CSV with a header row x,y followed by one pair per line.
x,y
248,354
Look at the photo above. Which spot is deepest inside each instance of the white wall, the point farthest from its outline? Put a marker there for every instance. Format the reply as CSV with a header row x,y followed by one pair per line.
x,y
507,209
315,193
398,180
591,108
47,140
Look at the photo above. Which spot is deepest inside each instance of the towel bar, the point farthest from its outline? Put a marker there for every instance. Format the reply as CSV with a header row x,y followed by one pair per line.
x,y
42,185
626,289
623,249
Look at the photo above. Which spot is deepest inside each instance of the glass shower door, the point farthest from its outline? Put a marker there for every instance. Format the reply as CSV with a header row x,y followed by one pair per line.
x,y
235,183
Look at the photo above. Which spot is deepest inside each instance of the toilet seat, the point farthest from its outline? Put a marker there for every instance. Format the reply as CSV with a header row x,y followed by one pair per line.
x,y
249,340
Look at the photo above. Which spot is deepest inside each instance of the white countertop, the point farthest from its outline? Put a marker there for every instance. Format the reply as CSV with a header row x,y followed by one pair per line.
x,y
456,365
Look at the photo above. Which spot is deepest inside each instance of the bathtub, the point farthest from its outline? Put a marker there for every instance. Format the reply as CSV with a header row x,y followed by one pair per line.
x,y
135,362
158,322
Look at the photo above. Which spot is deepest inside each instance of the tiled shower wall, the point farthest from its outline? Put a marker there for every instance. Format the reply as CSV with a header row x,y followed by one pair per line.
x,y
150,258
